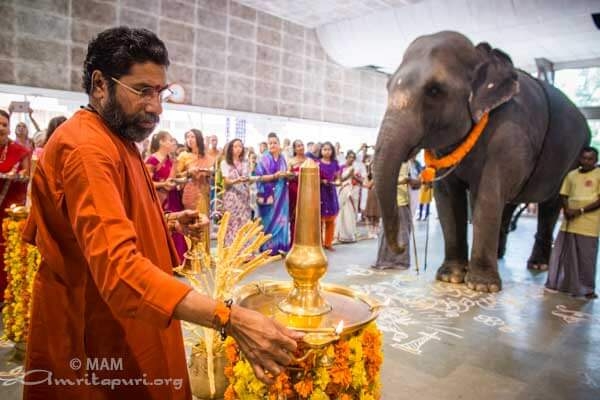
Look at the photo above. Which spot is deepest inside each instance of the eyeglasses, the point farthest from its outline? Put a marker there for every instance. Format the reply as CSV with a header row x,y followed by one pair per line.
x,y
148,93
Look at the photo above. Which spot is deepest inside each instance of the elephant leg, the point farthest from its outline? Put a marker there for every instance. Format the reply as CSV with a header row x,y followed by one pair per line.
x,y
451,200
507,214
548,212
482,273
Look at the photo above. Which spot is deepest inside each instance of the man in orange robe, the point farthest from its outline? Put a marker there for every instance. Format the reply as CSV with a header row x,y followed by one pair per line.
x,y
106,309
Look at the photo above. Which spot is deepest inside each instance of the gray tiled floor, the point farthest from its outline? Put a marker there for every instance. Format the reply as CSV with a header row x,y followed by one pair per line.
x,y
443,341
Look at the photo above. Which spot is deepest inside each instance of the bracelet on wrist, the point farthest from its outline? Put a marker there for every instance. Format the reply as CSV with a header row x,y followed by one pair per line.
x,y
582,210
222,316
170,216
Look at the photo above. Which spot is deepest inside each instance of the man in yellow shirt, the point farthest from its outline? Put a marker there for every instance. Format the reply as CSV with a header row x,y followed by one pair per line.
x,y
573,261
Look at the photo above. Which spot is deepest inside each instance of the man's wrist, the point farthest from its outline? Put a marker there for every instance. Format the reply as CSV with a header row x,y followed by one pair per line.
x,y
222,317
581,211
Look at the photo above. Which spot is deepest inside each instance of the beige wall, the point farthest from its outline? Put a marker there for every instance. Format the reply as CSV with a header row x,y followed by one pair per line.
x,y
225,55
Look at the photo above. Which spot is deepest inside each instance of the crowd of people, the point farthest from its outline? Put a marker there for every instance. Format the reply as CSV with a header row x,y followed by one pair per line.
x,y
16,159
262,184
200,175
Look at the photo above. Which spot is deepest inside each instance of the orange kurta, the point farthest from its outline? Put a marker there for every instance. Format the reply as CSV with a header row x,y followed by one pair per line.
x,y
104,293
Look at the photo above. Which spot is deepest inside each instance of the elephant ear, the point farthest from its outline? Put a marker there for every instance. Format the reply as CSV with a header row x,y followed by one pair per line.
x,y
495,81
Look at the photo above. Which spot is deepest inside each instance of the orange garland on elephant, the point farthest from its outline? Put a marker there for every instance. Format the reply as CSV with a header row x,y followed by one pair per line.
x,y
432,164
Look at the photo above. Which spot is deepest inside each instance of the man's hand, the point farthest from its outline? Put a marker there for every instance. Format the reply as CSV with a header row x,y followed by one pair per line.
x,y
169,185
571,213
414,183
266,344
191,222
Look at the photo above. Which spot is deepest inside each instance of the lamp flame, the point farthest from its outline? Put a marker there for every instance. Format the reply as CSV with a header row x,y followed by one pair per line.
x,y
339,327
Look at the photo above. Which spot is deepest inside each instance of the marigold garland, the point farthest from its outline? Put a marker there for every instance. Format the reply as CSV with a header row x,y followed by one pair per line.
x,y
21,262
353,373
432,164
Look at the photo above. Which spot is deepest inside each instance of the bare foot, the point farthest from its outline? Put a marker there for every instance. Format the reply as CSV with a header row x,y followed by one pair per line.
x,y
452,272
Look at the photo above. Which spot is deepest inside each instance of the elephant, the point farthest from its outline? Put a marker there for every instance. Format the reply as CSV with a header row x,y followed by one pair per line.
x,y
534,135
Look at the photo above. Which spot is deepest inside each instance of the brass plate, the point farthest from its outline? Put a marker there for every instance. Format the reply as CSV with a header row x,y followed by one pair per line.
x,y
354,308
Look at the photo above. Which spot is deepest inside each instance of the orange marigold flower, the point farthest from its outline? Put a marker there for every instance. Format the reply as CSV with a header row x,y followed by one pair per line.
x,y
341,374
345,396
428,175
282,386
228,371
372,370
304,387
342,352
371,342
231,353
229,393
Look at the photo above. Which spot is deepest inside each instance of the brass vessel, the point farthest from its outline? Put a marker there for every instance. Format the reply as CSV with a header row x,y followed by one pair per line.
x,y
325,312
193,260
306,262
353,308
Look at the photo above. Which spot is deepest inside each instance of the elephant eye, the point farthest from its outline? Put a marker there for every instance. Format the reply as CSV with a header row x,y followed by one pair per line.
x,y
433,90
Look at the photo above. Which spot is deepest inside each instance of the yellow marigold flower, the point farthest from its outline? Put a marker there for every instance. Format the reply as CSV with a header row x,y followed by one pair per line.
x,y
359,375
319,394
366,396
322,378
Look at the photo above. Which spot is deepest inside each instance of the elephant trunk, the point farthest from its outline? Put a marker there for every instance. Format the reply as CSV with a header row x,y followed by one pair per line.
x,y
393,148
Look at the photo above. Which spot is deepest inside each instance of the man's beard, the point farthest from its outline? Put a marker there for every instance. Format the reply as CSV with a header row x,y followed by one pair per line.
x,y
126,126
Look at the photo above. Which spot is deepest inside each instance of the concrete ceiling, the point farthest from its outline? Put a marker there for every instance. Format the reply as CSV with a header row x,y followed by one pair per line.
x,y
314,13
357,33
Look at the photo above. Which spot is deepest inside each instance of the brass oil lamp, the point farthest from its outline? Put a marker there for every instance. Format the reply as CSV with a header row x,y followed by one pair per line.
x,y
325,312
306,262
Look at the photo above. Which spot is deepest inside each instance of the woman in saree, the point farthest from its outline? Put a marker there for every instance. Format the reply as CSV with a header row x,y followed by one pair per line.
x,y
198,167
252,157
161,165
329,170
298,157
14,167
371,212
347,231
273,198
236,199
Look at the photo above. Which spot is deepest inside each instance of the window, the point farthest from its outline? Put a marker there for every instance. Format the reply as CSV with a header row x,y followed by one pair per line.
x,y
582,86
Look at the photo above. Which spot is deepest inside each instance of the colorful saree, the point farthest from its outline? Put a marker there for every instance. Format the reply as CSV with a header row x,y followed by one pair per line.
x,y
12,191
273,204
170,200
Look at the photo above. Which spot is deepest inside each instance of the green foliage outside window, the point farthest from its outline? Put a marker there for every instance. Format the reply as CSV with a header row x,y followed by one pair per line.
x,y
583,88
